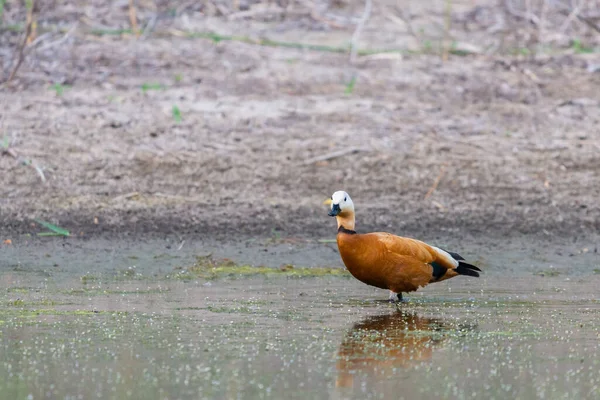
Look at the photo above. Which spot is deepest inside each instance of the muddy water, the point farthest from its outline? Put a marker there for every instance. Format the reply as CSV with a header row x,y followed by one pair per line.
x,y
310,337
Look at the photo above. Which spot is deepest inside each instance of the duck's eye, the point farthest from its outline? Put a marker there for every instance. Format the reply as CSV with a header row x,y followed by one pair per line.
x,y
344,199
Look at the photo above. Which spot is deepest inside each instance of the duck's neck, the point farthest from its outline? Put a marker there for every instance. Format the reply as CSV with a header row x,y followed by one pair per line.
x,y
346,220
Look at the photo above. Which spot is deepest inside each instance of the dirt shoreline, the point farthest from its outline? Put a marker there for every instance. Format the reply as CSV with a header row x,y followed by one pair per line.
x,y
232,138
228,222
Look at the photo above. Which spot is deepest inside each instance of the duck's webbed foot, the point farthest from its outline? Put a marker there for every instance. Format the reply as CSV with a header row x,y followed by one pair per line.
x,y
396,297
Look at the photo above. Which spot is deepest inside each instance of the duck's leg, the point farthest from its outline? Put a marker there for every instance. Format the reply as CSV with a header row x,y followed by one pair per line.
x,y
395,297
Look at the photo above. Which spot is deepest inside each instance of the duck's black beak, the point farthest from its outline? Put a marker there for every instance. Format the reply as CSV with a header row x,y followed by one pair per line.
x,y
335,210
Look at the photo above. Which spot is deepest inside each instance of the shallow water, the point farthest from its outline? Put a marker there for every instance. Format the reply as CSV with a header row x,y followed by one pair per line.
x,y
310,337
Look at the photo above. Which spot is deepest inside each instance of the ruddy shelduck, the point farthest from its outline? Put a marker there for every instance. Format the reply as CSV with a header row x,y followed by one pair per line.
x,y
388,261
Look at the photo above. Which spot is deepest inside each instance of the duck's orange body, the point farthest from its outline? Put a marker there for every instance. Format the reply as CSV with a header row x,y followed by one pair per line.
x,y
391,262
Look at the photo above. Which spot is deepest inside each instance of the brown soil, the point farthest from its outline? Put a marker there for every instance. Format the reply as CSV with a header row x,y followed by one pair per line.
x,y
512,139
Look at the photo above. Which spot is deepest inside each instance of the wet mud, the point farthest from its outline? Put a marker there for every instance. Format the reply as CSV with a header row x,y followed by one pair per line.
x,y
274,332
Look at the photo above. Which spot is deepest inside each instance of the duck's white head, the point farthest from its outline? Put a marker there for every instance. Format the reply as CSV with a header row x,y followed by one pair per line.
x,y
340,203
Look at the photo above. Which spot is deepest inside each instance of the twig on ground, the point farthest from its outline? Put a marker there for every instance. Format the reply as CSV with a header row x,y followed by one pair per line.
x,y
439,205
260,9
533,78
183,6
587,20
572,15
402,17
327,21
152,23
223,10
526,15
133,18
63,39
386,55
31,20
332,155
540,32
436,182
12,153
316,15
354,41
20,51
149,26
39,39
24,50
447,24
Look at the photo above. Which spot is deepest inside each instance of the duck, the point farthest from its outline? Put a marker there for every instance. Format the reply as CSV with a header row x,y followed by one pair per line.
x,y
386,261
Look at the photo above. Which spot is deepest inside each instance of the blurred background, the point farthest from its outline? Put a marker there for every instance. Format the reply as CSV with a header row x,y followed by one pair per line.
x,y
214,117
186,148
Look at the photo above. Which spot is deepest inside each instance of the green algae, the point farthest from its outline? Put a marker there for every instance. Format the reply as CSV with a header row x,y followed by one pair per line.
x,y
19,289
33,303
549,273
87,279
35,312
99,291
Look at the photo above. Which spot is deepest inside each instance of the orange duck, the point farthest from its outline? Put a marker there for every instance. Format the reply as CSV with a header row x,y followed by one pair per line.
x,y
391,262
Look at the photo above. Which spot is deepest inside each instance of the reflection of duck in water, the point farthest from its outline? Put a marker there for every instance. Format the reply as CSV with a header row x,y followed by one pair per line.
x,y
378,345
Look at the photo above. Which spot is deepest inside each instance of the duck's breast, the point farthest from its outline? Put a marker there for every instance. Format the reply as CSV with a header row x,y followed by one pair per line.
x,y
365,258
369,260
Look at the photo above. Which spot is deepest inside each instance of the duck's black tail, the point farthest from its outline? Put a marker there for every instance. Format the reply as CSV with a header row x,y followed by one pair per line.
x,y
464,268
467,269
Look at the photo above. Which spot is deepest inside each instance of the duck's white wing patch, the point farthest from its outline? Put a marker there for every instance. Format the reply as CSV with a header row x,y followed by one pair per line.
x,y
445,255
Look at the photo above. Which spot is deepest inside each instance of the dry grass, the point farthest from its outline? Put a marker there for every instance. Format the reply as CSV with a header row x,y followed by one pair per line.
x,y
225,109
491,26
